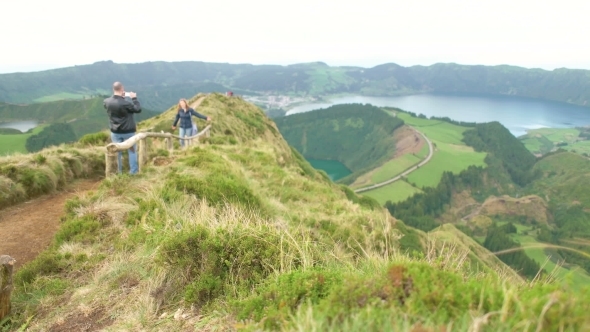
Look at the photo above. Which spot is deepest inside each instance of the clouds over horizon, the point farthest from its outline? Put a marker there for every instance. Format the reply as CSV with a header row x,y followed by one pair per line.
x,y
63,33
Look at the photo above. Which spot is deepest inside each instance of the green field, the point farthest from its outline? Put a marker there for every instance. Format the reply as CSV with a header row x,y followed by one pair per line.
x,y
450,154
544,140
580,147
394,167
577,275
447,157
16,143
423,152
394,192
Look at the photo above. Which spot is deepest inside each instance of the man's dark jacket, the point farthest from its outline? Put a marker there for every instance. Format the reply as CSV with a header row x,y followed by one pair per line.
x,y
120,113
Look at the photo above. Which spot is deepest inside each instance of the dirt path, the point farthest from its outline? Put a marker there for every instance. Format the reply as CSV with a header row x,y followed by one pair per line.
x,y
27,229
197,102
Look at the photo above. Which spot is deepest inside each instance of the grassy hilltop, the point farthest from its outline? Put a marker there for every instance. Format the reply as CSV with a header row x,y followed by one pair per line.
x,y
241,233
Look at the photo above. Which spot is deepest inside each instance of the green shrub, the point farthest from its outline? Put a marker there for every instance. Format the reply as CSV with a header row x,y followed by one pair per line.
x,y
277,299
306,168
217,261
413,292
364,201
217,188
40,159
100,138
33,179
77,229
47,263
410,241
203,158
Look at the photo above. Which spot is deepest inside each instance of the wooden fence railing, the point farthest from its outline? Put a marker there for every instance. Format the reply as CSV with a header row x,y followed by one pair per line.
x,y
142,147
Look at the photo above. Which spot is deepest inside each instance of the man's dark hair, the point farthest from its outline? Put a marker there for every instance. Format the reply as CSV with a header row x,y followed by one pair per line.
x,y
117,86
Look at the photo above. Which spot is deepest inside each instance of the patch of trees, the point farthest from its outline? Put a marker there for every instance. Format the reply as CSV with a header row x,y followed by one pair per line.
x,y
421,210
494,138
575,258
53,134
498,240
451,121
359,136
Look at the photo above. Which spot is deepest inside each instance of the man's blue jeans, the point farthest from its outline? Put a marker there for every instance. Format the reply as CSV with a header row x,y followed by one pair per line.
x,y
133,166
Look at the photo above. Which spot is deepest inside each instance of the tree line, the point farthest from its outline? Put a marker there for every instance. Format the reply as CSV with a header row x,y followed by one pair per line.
x,y
54,134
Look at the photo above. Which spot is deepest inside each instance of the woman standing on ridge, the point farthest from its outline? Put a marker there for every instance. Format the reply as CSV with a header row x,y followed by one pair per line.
x,y
184,115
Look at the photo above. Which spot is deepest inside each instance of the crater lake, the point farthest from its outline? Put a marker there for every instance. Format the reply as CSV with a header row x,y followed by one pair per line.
x,y
518,114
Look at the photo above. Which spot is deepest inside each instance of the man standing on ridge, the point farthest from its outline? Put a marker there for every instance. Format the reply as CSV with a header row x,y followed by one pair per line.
x,y
120,113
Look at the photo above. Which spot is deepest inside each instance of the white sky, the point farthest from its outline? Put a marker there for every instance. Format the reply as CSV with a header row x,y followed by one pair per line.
x,y
41,34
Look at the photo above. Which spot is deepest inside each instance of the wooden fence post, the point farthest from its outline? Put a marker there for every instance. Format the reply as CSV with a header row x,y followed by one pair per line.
x,y
112,164
143,153
169,144
6,266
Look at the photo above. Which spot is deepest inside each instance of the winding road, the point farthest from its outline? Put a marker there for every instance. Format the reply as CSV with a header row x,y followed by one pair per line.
x,y
406,172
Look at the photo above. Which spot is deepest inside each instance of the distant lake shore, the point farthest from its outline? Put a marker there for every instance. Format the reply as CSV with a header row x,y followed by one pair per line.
x,y
518,114
23,126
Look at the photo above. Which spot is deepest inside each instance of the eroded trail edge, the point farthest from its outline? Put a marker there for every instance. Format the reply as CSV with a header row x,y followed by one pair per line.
x,y
26,229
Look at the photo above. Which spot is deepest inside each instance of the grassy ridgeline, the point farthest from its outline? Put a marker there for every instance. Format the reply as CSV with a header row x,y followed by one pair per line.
x,y
242,233
359,136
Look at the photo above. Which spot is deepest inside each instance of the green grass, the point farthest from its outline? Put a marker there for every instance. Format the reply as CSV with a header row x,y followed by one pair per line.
x,y
394,167
16,143
579,147
565,178
450,154
423,151
447,158
395,192
545,139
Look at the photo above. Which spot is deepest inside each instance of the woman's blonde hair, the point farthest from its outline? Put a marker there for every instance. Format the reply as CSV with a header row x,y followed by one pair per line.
x,y
185,103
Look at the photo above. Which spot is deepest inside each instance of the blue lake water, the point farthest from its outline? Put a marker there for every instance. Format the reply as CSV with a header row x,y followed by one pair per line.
x,y
515,113
20,125
335,169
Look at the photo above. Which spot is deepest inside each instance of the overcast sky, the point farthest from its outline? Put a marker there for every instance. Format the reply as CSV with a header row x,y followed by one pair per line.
x,y
41,34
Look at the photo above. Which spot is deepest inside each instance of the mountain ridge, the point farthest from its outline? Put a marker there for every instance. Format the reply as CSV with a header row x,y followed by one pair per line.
x,y
162,83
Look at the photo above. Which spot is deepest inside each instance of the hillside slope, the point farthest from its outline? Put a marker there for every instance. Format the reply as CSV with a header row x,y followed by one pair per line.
x,y
242,234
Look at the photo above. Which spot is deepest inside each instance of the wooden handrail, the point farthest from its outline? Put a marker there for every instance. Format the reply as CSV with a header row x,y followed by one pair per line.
x,y
140,139
115,147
